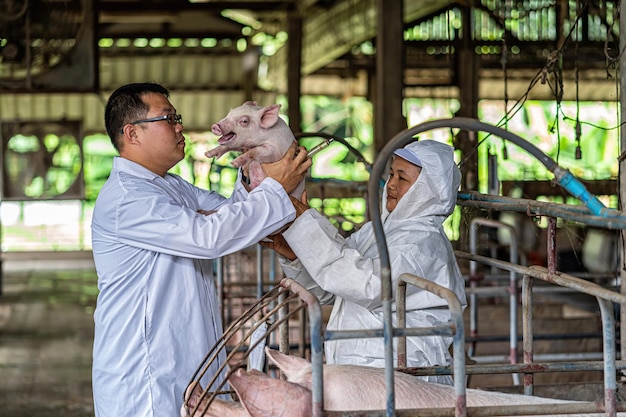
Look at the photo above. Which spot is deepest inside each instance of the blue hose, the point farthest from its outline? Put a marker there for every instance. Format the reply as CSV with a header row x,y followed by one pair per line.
x,y
577,189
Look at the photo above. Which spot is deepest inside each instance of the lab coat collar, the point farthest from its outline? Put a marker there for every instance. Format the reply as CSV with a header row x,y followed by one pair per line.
x,y
133,168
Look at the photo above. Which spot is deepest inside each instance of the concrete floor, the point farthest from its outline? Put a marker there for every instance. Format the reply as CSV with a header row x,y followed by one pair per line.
x,y
46,335
46,332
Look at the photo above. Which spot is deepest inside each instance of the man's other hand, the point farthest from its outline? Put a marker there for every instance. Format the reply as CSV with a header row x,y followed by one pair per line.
x,y
291,169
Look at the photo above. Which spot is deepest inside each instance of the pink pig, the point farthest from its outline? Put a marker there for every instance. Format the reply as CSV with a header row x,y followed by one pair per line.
x,y
260,133
346,388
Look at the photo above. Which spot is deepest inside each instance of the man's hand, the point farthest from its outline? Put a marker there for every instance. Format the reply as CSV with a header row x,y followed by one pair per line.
x,y
280,245
291,169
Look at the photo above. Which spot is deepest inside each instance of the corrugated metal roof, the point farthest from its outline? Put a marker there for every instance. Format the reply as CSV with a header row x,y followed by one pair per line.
x,y
203,87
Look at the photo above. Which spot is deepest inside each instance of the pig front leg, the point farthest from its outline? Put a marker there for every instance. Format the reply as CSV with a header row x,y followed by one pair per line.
x,y
217,152
256,174
243,159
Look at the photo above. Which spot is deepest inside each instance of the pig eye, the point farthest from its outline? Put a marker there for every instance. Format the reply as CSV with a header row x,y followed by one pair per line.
x,y
244,121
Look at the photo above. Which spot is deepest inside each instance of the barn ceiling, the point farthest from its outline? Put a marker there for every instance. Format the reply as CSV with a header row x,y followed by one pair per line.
x,y
94,46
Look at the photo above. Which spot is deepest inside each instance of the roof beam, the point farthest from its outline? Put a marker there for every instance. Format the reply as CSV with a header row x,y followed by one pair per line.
x,y
143,6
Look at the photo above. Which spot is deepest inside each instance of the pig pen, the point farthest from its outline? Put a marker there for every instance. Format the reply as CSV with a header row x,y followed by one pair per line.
x,y
608,366
271,315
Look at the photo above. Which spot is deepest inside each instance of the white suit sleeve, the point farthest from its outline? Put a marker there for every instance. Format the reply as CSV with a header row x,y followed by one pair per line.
x,y
335,264
295,270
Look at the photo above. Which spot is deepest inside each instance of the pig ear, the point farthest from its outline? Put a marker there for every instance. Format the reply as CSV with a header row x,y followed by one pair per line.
x,y
269,115
290,365
250,103
263,396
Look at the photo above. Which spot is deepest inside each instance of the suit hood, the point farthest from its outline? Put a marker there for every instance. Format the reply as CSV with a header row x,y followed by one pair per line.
x,y
435,191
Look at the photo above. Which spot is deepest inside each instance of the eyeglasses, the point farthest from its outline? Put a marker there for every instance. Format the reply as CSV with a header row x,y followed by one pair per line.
x,y
170,118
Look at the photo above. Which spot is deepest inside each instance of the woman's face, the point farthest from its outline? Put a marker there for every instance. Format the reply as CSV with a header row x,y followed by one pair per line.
x,y
402,175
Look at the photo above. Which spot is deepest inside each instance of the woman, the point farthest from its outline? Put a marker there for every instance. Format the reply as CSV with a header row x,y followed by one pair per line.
x,y
419,195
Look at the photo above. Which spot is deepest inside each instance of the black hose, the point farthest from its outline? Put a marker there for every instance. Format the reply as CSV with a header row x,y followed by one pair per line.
x,y
353,150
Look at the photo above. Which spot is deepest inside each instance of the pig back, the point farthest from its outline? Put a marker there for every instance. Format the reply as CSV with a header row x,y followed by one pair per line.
x,y
355,387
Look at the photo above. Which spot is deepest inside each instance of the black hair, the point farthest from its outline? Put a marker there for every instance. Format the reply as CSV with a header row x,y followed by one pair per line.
x,y
125,105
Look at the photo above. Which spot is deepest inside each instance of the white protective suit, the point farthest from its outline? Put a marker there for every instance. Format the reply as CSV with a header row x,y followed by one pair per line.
x,y
348,270
157,314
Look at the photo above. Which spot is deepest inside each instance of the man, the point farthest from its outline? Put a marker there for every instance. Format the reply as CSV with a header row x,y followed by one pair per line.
x,y
157,313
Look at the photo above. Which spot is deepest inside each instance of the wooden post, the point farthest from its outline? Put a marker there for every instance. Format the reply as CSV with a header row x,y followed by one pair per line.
x,y
388,117
294,76
467,68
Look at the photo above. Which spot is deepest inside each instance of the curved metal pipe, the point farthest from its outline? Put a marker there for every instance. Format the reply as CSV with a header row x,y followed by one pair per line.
x,y
564,178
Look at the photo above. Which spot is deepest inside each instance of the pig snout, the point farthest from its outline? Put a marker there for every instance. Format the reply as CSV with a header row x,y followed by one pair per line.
x,y
216,129
224,130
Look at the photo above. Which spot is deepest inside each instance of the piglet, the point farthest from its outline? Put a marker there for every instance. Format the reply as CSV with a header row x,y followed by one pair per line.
x,y
259,133
346,388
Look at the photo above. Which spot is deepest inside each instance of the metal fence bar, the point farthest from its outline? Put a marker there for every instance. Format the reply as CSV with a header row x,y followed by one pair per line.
x,y
604,296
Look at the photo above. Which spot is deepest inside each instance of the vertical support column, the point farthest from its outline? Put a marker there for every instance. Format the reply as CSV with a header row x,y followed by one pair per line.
x,y
622,172
294,76
527,331
388,116
467,67
250,72
2,139
388,121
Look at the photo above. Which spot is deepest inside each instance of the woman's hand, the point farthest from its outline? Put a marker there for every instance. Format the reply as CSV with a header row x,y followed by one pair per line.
x,y
300,205
277,241
280,245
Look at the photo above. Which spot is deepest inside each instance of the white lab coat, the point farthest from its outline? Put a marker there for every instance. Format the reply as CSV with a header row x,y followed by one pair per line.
x,y
348,270
157,314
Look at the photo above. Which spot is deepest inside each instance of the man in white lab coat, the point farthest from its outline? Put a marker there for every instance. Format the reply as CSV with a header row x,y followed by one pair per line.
x,y
153,238
419,195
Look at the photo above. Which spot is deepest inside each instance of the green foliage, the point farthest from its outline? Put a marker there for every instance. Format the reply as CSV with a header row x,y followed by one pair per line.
x,y
553,131
350,121
98,153
43,166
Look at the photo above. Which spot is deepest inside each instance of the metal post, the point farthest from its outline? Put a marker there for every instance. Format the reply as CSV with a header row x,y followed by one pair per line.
x,y
622,167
